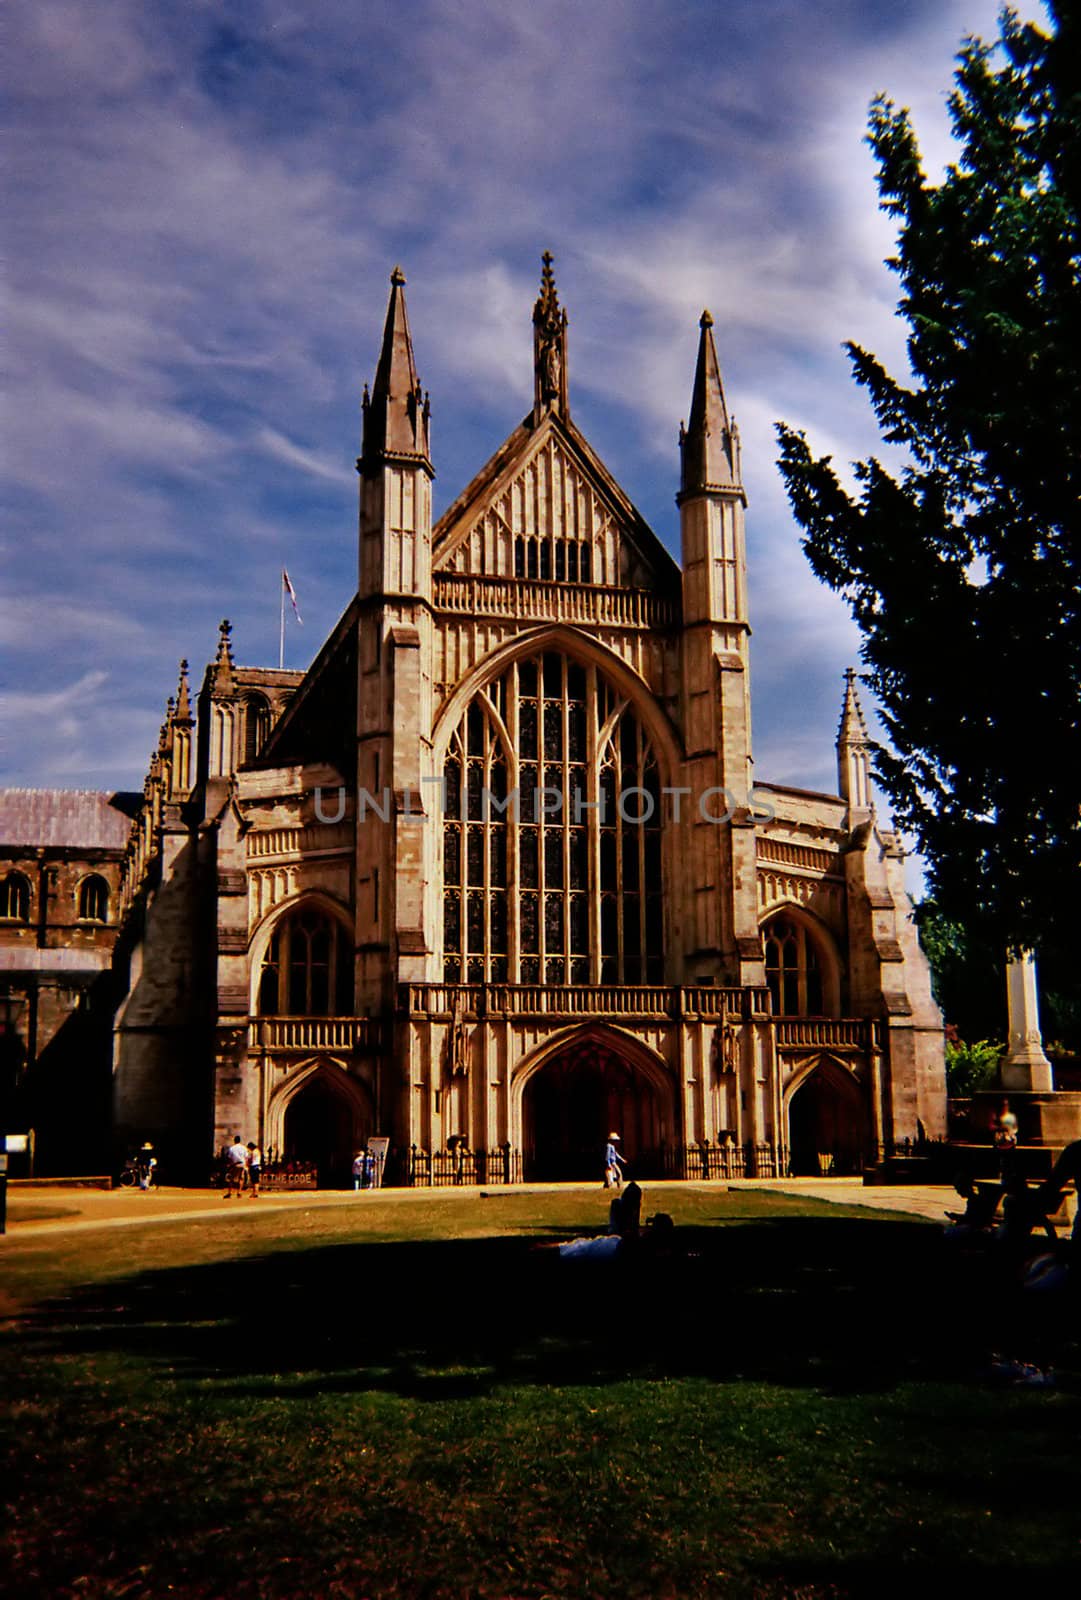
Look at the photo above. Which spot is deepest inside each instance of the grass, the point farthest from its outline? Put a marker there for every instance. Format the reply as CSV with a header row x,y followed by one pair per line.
x,y
404,1399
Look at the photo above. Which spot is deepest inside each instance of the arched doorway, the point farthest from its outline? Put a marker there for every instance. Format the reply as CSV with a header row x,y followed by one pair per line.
x,y
324,1125
580,1095
827,1123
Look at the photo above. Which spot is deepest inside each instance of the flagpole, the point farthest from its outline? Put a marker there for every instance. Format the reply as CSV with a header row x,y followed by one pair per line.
x,y
281,629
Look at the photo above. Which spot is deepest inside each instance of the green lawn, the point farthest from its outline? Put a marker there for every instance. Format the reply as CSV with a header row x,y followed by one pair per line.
x,y
405,1399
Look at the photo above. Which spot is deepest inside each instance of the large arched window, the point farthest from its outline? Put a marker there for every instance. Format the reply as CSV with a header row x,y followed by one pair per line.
x,y
307,970
15,898
94,899
552,833
793,968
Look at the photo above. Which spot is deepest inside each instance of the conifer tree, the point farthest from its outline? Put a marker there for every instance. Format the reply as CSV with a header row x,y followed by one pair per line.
x,y
961,566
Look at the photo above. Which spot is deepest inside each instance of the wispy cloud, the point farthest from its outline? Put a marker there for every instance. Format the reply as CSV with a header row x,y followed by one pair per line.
x,y
308,461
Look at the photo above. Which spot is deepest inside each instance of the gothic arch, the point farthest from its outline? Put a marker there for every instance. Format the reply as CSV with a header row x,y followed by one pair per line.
x,y
341,1082
568,1091
579,647
259,941
570,895
647,1060
810,1065
826,948
826,1113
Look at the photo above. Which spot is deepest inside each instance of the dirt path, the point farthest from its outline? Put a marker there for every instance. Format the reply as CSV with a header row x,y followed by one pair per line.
x,y
46,1209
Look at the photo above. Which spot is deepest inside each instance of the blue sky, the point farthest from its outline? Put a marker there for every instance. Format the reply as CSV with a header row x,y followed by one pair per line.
x,y
203,203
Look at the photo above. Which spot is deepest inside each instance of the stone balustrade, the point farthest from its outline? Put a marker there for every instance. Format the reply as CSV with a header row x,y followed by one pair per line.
x,y
590,604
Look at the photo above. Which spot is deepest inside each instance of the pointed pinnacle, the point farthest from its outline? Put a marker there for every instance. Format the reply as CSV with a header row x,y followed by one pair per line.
x,y
183,701
547,306
853,728
397,276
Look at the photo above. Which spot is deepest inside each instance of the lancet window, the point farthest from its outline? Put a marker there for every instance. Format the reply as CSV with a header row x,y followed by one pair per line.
x,y
14,898
552,834
793,969
307,970
94,899
256,725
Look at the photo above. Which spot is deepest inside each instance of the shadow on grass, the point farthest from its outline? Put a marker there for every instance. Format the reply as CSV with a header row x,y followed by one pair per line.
x,y
836,1303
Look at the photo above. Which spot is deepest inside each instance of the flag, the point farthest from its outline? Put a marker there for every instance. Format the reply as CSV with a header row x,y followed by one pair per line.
x,y
292,596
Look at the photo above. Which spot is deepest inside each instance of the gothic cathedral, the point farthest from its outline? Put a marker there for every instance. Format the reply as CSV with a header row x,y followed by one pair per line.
x,y
493,878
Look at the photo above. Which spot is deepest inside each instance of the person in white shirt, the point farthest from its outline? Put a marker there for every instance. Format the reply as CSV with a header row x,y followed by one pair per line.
x,y
236,1167
255,1168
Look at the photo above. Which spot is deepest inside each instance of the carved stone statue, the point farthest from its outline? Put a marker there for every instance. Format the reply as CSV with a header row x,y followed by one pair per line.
x,y
550,370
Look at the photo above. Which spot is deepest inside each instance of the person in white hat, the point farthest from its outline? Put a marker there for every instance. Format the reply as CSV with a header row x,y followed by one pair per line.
x,y
613,1178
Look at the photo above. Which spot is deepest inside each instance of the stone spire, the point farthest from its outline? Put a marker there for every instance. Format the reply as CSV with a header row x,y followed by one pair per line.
x,y
396,413
710,445
854,751
223,661
549,347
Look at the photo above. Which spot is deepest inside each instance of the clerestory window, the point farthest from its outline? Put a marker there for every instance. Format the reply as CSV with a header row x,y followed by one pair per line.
x,y
552,834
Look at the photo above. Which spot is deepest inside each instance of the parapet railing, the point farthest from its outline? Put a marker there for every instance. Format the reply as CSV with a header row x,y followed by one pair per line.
x,y
319,1033
840,1033
593,604
583,999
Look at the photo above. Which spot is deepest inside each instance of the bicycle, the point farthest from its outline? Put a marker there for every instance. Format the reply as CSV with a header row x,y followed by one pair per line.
x,y
131,1176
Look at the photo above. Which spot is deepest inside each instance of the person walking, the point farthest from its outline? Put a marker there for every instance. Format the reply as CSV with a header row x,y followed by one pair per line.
x,y
359,1168
255,1168
236,1167
613,1178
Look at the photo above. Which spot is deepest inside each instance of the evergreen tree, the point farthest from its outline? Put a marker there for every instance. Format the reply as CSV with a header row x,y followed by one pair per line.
x,y
962,567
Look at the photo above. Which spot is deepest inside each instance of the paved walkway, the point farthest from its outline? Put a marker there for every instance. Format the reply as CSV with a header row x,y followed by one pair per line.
x,y
79,1209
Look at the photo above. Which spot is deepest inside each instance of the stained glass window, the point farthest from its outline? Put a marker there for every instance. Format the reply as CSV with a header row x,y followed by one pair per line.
x,y
566,890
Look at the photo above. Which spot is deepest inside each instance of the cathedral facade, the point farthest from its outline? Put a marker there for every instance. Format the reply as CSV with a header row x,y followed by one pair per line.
x,y
493,877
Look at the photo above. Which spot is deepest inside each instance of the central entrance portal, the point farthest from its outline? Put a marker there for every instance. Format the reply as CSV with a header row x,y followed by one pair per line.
x,y
575,1100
